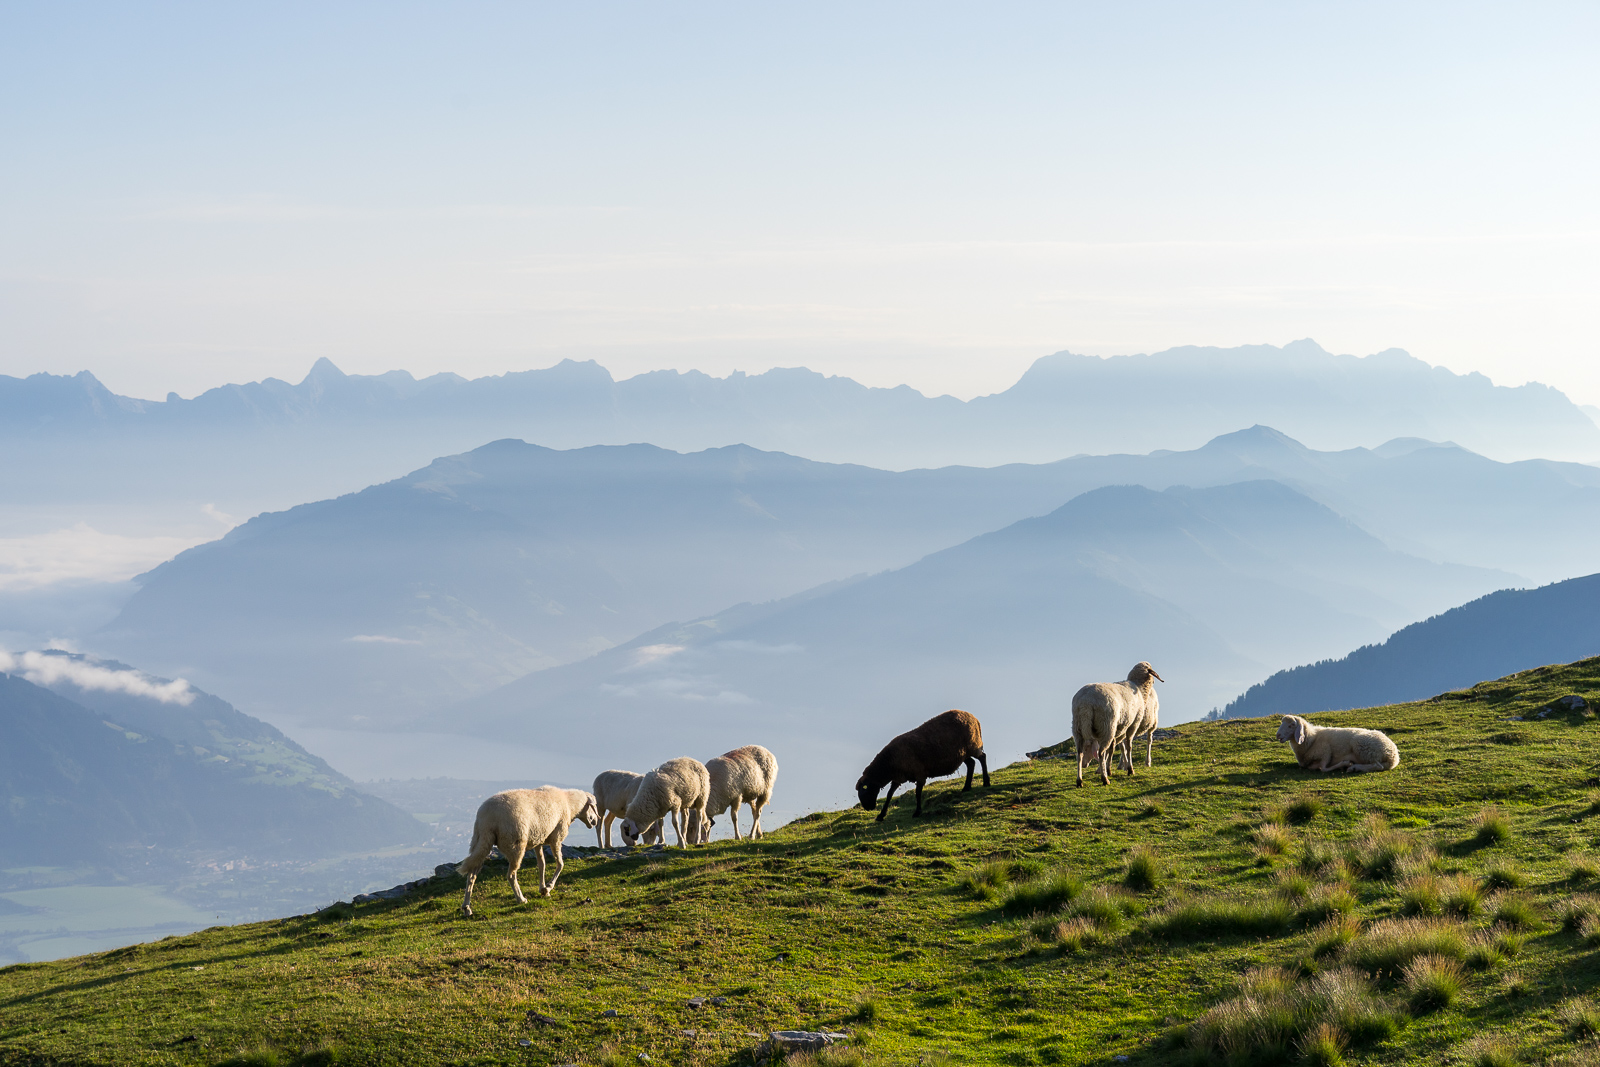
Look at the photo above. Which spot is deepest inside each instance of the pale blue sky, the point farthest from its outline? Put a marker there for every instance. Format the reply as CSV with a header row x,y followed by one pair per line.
x,y
928,193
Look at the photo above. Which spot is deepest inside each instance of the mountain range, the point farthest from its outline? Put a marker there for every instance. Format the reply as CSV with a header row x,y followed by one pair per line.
x,y
480,568
260,445
1507,631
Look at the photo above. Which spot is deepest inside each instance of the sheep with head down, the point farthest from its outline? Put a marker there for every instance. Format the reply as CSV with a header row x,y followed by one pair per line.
x,y
1338,748
936,748
679,788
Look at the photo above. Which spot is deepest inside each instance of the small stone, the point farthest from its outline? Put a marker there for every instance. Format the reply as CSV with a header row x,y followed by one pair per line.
x,y
697,1002
719,1001
542,1020
644,1057
689,1033
525,1043
609,1013
1119,1058
444,870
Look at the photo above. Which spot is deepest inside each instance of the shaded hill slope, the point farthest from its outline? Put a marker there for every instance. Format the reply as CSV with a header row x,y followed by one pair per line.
x,y
1506,631
1007,926
100,786
1202,582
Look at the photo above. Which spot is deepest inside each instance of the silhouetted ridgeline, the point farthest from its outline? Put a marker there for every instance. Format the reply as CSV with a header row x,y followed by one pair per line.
x,y
1499,634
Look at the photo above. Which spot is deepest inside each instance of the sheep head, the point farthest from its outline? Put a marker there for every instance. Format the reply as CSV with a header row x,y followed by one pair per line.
x,y
1142,673
631,831
1292,730
867,793
589,814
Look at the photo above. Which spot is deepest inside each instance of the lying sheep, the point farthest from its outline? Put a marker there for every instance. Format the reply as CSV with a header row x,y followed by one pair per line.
x,y
1338,748
518,819
1109,715
612,791
936,748
744,775
679,787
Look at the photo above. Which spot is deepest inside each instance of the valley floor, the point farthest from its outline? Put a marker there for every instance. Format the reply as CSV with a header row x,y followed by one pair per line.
x,y
1436,913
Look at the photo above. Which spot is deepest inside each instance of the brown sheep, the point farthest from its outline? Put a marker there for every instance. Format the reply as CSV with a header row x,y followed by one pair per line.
x,y
937,747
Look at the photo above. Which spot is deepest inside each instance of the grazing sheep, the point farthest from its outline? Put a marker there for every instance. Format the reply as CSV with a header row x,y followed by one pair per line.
x,y
517,819
612,791
1109,715
936,748
1338,748
679,787
744,775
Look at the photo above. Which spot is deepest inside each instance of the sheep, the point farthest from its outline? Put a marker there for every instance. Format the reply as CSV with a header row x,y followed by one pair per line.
x,y
612,791
1109,715
680,787
519,818
937,747
1338,748
745,774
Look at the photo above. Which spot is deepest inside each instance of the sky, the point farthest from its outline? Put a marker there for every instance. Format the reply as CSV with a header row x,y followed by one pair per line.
x,y
928,193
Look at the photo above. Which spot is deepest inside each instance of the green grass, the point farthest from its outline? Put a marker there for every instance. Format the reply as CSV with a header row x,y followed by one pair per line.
x,y
975,935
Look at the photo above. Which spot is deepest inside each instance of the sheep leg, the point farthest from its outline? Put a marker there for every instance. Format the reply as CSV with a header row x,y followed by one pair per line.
x,y
514,863
1080,766
603,825
920,782
733,816
983,759
561,863
1150,751
470,868
755,817
892,787
972,765
1362,768
678,825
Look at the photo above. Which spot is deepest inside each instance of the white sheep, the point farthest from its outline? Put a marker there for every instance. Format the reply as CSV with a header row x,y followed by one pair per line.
x,y
518,819
743,775
1108,715
1338,748
680,788
612,791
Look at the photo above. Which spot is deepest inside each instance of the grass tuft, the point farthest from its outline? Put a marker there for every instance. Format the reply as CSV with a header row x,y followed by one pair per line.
x,y
1272,839
1589,932
1580,1015
1583,868
1432,983
1491,1051
1220,916
1576,910
1391,944
1302,808
1046,893
1144,871
1327,901
1493,827
1516,910
1271,1015
1421,894
1294,885
1378,850
1332,936
1070,935
1323,1046
1504,876
1463,896
1104,907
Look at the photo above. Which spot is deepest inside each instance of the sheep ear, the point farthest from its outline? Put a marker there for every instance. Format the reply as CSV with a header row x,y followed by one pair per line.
x,y
1299,731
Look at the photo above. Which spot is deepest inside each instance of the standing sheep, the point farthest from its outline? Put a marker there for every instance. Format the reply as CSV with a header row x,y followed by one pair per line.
x,y
1106,715
744,775
679,787
1338,748
612,791
936,748
517,819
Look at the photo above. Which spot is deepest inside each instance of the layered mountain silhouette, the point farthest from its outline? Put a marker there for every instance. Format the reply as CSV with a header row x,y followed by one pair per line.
x,y
101,773
512,558
265,443
1202,582
1502,633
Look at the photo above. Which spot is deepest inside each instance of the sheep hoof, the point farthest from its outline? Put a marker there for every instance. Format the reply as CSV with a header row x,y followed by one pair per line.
x,y
466,912
548,891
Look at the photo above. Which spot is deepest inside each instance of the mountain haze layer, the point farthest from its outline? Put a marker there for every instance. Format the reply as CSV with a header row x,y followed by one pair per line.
x,y
482,567
1204,583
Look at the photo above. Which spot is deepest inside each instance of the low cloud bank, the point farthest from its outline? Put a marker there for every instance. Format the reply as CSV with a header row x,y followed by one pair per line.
x,y
46,670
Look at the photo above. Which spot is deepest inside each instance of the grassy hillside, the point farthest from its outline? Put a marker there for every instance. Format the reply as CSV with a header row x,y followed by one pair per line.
x,y
1222,906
